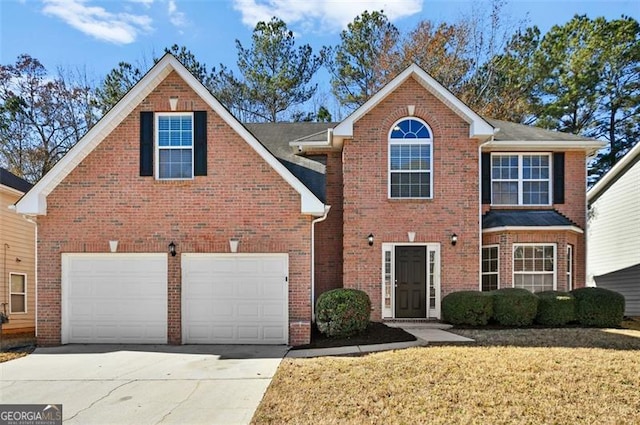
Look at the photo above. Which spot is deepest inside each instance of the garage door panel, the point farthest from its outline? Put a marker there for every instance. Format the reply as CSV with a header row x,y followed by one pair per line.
x,y
114,298
246,300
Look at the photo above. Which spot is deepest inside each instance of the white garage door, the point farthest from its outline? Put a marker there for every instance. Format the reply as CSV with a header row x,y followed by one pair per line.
x,y
235,298
114,298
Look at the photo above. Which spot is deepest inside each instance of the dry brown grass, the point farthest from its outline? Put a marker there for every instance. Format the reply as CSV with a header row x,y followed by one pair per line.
x,y
533,376
5,357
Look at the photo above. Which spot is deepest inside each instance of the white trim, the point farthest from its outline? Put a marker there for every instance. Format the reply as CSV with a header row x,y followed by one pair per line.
x,y
18,293
521,180
497,273
533,228
588,146
157,147
35,201
569,267
391,246
613,172
543,244
478,127
417,142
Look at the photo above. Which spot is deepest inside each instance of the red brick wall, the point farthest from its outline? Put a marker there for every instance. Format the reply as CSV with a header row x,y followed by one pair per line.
x,y
453,209
105,199
574,208
328,236
507,239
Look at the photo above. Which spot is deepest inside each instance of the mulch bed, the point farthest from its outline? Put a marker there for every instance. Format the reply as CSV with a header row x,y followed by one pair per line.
x,y
376,333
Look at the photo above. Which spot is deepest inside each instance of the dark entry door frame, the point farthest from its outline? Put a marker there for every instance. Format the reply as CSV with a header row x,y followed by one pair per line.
x,y
425,259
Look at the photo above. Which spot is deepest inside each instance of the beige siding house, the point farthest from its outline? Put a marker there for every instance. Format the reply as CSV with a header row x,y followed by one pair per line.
x,y
613,254
17,261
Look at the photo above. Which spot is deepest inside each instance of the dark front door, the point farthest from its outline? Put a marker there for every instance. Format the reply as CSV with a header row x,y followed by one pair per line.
x,y
411,281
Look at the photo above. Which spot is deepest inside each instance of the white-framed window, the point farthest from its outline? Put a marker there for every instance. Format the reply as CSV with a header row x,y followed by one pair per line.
x,y
520,179
18,293
534,267
490,268
174,145
410,160
569,267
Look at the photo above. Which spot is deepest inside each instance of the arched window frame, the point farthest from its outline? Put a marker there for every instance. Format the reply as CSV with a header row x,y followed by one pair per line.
x,y
409,140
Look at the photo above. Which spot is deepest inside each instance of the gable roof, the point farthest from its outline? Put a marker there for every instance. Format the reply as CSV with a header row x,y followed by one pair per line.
x,y
35,201
510,135
617,171
12,181
278,138
478,126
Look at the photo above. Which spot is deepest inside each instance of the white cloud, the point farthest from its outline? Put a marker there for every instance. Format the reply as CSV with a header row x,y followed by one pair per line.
x,y
178,19
146,3
117,28
332,15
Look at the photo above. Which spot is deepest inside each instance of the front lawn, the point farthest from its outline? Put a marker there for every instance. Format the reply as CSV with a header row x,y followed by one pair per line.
x,y
526,376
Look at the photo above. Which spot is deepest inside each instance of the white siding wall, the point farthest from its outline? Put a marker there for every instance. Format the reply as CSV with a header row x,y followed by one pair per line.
x,y
614,228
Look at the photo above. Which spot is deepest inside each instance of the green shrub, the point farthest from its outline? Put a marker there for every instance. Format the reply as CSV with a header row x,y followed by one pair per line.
x,y
467,308
555,308
343,312
514,306
598,307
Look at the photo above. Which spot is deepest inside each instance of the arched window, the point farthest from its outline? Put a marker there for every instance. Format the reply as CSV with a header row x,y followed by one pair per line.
x,y
410,159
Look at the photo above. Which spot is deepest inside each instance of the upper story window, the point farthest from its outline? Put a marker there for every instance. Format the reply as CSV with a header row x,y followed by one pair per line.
x,y
410,160
521,179
174,145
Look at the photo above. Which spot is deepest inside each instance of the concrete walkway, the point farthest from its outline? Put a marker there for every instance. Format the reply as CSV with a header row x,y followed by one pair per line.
x,y
424,332
113,384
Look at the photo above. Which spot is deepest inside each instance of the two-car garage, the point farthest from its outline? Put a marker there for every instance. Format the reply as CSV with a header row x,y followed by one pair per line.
x,y
225,298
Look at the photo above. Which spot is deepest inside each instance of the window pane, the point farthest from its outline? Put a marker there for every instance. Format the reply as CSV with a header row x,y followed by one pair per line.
x,y
410,185
17,283
410,129
175,163
489,282
18,303
505,193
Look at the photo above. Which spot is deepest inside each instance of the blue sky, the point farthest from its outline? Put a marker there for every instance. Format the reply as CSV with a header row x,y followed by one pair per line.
x,y
95,35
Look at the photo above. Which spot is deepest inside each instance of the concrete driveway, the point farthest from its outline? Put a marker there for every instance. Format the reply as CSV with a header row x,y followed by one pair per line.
x,y
124,384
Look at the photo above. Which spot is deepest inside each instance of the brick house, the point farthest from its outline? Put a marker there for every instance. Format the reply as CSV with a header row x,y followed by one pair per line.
x,y
172,222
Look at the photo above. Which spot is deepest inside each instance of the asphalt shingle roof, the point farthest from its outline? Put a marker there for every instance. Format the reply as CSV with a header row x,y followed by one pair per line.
x,y
276,137
524,218
510,131
11,180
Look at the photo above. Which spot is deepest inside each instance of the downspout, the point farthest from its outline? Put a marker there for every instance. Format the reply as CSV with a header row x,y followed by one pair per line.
x,y
313,258
480,210
30,219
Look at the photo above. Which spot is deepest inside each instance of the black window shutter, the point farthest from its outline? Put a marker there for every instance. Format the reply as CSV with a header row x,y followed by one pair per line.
x,y
558,178
485,162
146,143
200,143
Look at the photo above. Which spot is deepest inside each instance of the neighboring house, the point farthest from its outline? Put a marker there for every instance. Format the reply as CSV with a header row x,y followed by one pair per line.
x,y
413,196
613,254
18,262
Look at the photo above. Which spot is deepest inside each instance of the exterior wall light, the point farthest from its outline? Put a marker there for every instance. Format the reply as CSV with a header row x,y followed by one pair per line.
x,y
172,249
370,239
454,239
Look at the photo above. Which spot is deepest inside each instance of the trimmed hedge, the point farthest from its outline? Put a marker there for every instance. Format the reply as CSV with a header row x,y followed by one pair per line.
x,y
514,306
555,308
343,312
599,307
472,308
